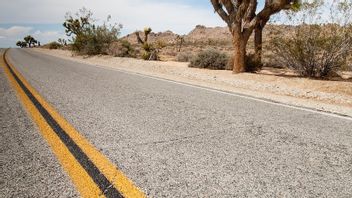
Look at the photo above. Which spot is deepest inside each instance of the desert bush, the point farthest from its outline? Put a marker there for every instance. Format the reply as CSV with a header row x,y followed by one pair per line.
x,y
315,49
251,64
210,59
21,44
54,45
313,53
95,40
184,57
121,48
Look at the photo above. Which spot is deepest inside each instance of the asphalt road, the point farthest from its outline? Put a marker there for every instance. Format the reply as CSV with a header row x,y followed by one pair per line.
x,y
171,140
28,168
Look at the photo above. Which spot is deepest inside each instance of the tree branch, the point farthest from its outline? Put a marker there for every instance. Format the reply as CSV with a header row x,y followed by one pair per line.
x,y
139,38
251,10
218,8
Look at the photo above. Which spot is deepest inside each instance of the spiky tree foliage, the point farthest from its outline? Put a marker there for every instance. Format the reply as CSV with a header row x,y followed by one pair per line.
x,y
62,41
30,40
78,23
21,44
150,52
180,42
242,18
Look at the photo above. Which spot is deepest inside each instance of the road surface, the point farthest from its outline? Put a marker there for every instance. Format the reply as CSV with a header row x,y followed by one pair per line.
x,y
170,139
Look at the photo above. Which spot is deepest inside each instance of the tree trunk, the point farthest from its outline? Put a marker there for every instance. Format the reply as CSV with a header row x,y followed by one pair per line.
x,y
239,45
258,41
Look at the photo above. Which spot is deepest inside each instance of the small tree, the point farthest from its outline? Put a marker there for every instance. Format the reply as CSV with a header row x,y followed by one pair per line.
x,y
241,18
180,42
150,51
258,32
30,40
21,44
87,37
77,25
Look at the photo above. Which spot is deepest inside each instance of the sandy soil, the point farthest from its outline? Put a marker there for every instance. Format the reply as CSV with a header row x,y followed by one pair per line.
x,y
273,84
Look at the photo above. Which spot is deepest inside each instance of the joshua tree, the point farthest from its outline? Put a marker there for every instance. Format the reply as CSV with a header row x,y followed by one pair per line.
x,y
78,25
86,36
150,53
30,40
21,44
147,31
241,18
258,31
62,41
258,41
180,41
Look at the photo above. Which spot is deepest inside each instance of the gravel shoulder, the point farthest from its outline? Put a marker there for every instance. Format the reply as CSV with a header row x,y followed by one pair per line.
x,y
329,96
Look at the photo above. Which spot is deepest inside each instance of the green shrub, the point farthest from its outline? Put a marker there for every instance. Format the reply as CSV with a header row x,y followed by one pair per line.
x,y
251,64
54,45
184,57
95,40
210,59
121,48
151,55
88,38
150,51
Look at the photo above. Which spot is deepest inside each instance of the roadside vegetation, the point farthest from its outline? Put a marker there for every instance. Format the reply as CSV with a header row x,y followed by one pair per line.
x,y
151,50
54,45
313,49
210,59
89,38
309,45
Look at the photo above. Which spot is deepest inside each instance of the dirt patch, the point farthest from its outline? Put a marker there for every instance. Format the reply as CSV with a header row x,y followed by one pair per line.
x,y
274,84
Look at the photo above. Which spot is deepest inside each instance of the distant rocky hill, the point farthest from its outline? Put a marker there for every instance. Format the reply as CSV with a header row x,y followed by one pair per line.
x,y
167,37
202,33
202,37
199,34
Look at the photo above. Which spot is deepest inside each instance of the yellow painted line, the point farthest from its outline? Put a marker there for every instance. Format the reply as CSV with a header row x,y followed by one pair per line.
x,y
79,176
76,172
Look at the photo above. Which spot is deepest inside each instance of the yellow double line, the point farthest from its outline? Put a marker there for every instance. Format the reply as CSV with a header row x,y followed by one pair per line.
x,y
91,172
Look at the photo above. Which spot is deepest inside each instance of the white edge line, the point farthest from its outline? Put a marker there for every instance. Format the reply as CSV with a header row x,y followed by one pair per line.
x,y
230,93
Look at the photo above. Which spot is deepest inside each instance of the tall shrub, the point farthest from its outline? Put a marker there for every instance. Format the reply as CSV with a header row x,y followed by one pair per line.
x,y
317,48
87,37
